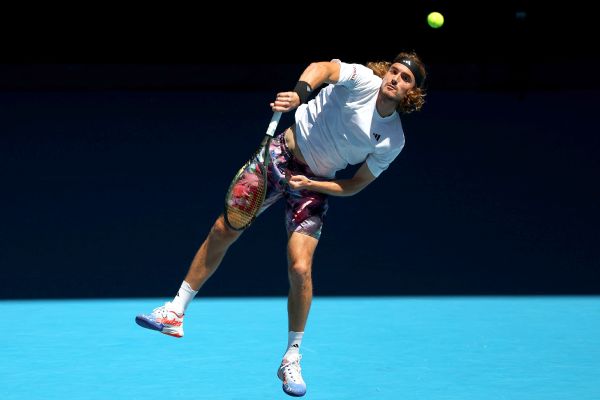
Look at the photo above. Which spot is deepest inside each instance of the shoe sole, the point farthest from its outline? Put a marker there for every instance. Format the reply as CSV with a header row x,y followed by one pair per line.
x,y
145,323
292,393
155,326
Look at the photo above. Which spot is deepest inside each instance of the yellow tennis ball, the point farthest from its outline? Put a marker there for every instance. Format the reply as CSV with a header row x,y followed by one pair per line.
x,y
435,19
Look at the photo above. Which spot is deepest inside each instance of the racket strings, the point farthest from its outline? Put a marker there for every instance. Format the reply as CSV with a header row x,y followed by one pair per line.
x,y
248,189
246,196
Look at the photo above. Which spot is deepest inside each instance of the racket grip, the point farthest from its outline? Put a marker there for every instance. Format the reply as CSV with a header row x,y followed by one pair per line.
x,y
273,124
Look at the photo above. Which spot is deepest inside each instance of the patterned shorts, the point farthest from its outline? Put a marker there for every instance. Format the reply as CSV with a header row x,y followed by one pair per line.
x,y
304,210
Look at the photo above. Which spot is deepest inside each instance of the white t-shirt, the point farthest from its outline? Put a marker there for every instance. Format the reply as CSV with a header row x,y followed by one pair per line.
x,y
341,125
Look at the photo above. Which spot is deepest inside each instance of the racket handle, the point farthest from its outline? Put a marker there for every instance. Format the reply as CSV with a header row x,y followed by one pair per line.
x,y
273,123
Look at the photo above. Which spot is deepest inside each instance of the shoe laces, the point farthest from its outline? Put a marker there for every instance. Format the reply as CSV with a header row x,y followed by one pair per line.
x,y
163,311
292,368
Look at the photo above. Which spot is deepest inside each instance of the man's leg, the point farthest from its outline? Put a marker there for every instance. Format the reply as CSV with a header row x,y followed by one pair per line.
x,y
168,319
301,249
211,253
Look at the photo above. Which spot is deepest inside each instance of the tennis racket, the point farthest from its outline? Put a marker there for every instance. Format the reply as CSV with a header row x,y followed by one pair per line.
x,y
247,190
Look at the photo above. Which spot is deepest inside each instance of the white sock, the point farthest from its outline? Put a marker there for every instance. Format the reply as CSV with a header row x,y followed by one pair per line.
x,y
183,298
294,342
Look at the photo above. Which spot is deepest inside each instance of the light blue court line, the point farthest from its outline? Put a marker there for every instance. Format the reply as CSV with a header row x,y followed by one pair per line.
x,y
481,348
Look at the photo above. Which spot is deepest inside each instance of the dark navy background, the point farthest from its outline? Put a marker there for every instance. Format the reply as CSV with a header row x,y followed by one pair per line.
x,y
109,193
116,150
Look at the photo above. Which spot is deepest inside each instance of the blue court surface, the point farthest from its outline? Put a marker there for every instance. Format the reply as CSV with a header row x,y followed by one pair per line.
x,y
363,348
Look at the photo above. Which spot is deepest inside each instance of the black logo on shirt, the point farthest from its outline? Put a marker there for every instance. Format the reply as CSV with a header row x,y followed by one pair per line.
x,y
377,136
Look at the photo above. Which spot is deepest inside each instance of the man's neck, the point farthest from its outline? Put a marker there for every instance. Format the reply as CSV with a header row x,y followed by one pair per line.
x,y
385,107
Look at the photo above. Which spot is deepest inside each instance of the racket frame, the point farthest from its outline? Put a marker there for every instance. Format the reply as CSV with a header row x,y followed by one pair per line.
x,y
263,157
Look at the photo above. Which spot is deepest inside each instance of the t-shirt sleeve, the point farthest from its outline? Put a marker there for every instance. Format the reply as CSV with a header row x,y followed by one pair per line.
x,y
379,162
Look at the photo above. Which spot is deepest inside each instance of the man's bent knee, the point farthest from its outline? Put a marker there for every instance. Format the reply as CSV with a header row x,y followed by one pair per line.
x,y
220,231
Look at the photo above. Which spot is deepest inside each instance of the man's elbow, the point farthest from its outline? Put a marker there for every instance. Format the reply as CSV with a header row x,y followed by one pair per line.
x,y
323,70
354,189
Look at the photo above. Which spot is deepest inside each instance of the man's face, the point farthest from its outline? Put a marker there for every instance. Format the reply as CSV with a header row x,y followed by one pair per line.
x,y
397,81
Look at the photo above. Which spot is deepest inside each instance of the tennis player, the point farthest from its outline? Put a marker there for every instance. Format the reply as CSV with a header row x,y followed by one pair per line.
x,y
354,119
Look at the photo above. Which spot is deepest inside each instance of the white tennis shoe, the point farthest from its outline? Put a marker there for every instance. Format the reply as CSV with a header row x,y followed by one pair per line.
x,y
163,319
290,374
